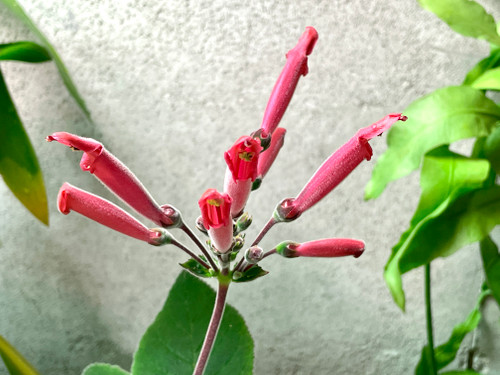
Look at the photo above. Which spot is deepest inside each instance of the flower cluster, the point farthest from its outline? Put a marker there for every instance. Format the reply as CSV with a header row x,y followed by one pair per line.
x,y
222,213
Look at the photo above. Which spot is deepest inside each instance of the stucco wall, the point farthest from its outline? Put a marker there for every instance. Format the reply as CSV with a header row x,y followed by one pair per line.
x,y
170,86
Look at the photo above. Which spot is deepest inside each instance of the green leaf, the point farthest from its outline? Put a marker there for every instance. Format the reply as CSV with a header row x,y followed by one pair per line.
x,y
16,364
172,343
24,51
251,274
490,62
491,264
460,372
19,12
489,80
491,149
445,177
18,162
196,268
104,369
447,352
440,118
465,17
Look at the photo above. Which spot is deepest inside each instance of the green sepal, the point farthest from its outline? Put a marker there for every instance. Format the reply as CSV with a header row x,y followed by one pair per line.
x,y
251,274
197,269
243,223
284,250
256,184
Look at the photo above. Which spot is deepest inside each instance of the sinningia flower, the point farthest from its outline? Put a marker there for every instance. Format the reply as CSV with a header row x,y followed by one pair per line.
x,y
242,161
216,215
296,66
71,198
268,156
335,169
326,248
117,177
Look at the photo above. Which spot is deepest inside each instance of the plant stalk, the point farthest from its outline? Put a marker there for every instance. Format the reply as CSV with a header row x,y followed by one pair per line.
x,y
213,327
428,318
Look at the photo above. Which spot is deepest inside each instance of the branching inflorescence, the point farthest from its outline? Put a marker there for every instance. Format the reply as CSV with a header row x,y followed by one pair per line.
x,y
222,213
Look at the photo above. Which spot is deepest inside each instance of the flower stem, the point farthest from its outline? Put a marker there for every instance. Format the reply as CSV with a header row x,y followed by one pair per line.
x,y
190,253
264,230
213,327
198,243
428,316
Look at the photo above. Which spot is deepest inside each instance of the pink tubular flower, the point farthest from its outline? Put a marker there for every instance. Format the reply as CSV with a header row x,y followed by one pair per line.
x,y
116,176
268,156
326,248
335,169
215,213
71,198
296,66
242,161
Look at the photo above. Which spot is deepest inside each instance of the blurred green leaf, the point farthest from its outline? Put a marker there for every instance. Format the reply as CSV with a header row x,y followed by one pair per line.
x,y
251,274
196,268
19,12
18,162
465,17
445,177
16,364
440,118
172,343
104,369
489,80
24,51
491,149
490,62
447,352
491,264
460,372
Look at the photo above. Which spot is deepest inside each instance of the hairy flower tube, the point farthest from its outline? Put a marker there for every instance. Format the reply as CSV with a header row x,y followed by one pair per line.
x,y
325,248
117,177
335,169
216,215
71,198
242,161
296,66
222,217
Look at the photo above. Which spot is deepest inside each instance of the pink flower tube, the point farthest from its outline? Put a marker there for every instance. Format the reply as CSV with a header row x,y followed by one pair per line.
x,y
335,169
326,248
242,161
216,215
117,177
71,198
296,66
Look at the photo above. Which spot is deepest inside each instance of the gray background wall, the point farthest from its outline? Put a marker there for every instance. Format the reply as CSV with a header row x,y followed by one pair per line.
x,y
170,86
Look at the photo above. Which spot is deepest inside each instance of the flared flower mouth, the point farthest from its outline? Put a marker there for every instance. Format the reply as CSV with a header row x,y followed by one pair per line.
x,y
215,209
243,157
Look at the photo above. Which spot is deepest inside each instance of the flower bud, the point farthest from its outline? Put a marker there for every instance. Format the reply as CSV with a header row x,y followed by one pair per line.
x,y
254,255
325,248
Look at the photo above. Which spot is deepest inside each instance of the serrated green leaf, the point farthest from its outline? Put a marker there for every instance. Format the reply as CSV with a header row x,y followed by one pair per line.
x,y
440,118
465,17
445,177
491,149
19,12
24,51
104,369
490,62
18,162
251,274
447,352
489,80
491,264
196,268
172,343
16,364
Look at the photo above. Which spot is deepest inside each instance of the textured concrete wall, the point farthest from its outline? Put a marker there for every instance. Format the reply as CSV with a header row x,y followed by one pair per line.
x,y
170,86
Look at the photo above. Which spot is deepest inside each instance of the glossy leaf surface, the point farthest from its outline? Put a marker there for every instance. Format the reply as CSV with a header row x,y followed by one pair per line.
x,y
24,51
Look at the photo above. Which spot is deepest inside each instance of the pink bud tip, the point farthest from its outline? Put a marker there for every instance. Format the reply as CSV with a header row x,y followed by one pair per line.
x,y
71,198
115,175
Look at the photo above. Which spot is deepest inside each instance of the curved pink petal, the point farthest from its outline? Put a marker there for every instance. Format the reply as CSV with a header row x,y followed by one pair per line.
x,y
296,66
71,198
115,175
